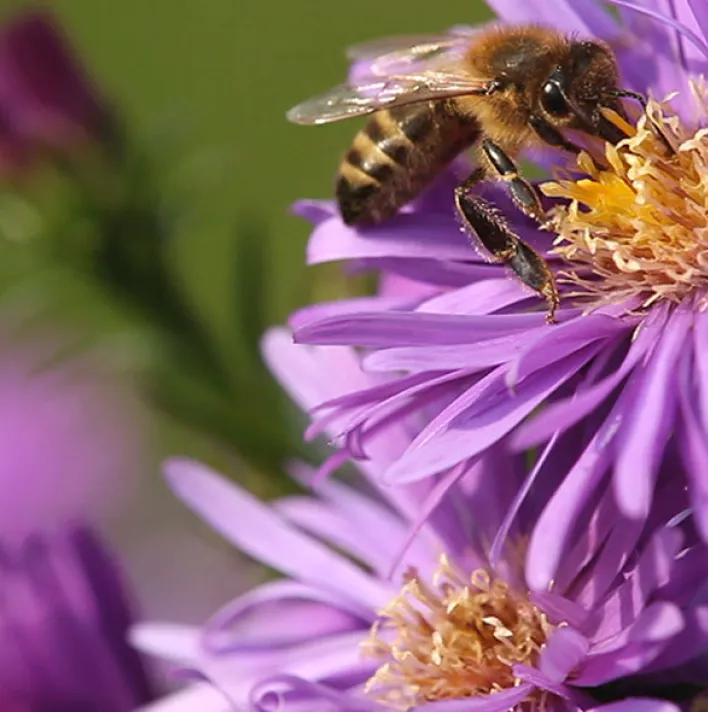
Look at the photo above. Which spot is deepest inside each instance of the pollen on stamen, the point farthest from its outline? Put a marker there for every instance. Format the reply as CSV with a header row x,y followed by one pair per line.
x,y
639,227
458,636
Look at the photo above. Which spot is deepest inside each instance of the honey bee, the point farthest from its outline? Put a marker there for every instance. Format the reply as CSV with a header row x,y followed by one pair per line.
x,y
497,92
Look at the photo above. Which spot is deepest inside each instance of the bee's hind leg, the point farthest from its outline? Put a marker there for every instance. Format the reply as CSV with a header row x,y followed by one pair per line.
x,y
496,236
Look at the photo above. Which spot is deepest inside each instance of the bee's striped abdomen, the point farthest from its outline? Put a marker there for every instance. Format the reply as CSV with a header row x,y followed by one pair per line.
x,y
396,155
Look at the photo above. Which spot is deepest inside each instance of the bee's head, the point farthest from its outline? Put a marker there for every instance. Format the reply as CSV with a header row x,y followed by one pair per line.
x,y
583,83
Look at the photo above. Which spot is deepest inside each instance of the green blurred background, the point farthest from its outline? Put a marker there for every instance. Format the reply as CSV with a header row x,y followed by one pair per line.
x,y
221,74
209,84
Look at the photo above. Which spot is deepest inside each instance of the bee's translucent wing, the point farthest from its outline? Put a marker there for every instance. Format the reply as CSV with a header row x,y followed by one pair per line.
x,y
404,54
412,44
393,72
349,100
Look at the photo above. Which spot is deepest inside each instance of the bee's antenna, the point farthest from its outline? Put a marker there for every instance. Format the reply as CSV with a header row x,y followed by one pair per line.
x,y
626,94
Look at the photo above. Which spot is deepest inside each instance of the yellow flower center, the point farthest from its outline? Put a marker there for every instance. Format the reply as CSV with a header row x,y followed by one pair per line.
x,y
456,638
638,228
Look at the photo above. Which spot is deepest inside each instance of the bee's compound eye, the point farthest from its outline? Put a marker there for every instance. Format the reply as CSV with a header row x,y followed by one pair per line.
x,y
553,101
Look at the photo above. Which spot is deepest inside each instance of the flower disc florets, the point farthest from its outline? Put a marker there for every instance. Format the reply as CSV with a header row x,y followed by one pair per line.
x,y
638,228
459,637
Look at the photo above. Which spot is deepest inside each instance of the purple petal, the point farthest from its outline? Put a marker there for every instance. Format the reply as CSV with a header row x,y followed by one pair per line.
x,y
688,575
299,369
565,413
316,659
410,329
483,297
560,609
394,285
652,570
641,644
648,421
342,307
377,391
700,14
687,645
657,623
411,398
203,697
652,62
490,485
174,642
376,524
535,677
691,36
405,236
549,537
434,273
479,396
693,440
616,550
483,354
314,211
258,531
570,16
694,454
587,544
691,58
331,465
638,704
278,613
506,521
631,659
700,347
474,434
554,344
292,693
197,678
484,395
565,650
436,496
373,546
496,702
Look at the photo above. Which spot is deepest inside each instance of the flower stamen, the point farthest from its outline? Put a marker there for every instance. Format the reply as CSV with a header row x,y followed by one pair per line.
x,y
459,637
639,227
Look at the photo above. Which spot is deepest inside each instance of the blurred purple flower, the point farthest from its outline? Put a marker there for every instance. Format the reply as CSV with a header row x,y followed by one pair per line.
x,y
63,625
47,101
469,346
628,600
70,436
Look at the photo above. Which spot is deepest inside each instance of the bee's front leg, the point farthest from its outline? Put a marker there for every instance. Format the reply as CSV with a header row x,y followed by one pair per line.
x,y
496,236
555,138
552,136
524,195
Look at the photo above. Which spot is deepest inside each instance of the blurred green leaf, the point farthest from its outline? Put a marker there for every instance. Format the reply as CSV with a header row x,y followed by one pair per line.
x,y
252,277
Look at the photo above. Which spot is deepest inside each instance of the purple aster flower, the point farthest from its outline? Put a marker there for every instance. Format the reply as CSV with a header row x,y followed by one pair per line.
x,y
623,374
63,624
371,617
47,102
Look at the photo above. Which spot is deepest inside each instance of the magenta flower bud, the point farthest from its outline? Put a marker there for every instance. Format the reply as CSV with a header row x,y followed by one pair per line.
x,y
63,623
47,100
